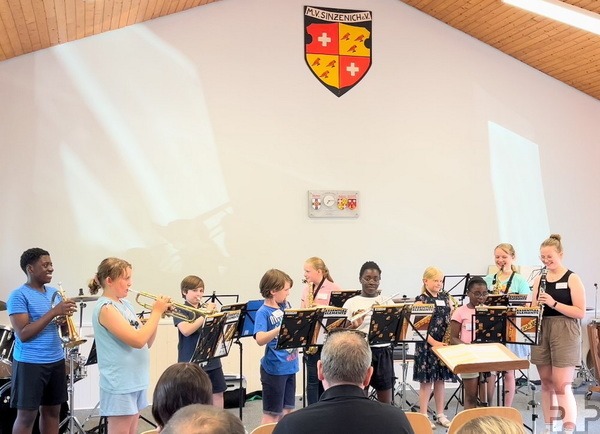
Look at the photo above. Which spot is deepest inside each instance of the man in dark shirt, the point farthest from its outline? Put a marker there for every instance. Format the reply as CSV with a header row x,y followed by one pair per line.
x,y
345,370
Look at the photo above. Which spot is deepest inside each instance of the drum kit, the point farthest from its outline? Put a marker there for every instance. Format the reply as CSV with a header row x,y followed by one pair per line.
x,y
75,365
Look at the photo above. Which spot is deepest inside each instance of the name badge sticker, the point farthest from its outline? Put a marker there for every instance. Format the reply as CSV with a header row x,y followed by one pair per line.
x,y
562,285
440,303
322,296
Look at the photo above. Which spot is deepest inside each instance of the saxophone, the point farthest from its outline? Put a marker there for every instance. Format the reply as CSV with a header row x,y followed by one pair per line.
x,y
447,336
310,302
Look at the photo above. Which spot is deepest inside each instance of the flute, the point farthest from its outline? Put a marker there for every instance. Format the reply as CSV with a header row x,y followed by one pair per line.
x,y
366,312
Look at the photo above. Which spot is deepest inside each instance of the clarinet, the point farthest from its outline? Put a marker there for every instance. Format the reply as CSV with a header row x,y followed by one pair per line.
x,y
542,289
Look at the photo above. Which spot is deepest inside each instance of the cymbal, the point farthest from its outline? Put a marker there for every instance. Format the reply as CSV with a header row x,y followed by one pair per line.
x,y
2,305
83,298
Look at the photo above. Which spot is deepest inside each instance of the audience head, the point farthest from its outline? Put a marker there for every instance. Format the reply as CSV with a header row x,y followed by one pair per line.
x,y
203,419
179,385
345,359
491,425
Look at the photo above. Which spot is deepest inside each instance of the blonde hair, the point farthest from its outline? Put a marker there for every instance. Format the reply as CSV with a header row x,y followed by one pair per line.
x,y
491,425
319,264
508,249
109,267
430,273
553,240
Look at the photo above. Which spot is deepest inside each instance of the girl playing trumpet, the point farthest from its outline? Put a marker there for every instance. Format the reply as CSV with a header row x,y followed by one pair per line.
x,y
192,290
122,343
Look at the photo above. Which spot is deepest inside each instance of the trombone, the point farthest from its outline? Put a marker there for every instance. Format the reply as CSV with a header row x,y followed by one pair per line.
x,y
181,311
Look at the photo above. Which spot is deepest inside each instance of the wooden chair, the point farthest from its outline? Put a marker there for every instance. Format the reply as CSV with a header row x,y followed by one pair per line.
x,y
267,428
466,415
419,422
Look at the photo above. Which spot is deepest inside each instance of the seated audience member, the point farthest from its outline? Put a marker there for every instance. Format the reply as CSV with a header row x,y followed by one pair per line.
x,y
203,419
181,384
491,425
345,370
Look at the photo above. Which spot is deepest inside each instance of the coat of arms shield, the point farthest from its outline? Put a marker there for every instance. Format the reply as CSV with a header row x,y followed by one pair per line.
x,y
337,46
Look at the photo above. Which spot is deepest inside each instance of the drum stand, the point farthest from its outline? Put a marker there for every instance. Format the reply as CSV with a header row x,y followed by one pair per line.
x,y
71,419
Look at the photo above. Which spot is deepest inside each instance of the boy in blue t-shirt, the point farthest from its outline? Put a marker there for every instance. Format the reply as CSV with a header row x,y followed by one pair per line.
x,y
278,367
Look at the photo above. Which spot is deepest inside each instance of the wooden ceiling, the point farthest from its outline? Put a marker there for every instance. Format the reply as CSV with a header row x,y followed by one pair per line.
x,y
563,52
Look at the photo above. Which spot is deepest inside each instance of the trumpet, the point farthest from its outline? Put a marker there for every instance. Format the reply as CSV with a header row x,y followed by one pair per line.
x,y
68,335
181,311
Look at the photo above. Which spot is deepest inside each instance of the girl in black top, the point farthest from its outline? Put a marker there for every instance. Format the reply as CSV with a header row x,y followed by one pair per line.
x,y
562,295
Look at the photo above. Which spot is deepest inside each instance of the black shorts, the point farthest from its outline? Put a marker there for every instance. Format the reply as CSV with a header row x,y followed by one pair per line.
x,y
38,384
217,379
383,368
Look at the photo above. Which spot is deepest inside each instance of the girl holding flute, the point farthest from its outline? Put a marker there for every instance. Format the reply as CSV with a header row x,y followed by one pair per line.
x,y
383,362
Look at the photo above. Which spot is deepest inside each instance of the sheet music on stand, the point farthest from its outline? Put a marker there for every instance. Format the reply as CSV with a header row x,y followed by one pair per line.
x,y
387,324
522,325
338,298
210,333
327,317
230,327
417,318
489,324
297,328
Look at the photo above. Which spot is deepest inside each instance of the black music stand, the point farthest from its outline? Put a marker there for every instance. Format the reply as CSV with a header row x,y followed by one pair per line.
x,y
390,325
241,328
297,328
211,335
338,298
456,284
216,298
489,326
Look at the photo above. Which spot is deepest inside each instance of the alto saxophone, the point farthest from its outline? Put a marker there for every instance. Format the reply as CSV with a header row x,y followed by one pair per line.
x,y
447,336
310,302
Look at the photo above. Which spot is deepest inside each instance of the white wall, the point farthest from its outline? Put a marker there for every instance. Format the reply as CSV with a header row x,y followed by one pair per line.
x,y
187,145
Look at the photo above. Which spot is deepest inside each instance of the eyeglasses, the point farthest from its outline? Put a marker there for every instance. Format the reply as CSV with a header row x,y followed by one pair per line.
x,y
371,279
480,294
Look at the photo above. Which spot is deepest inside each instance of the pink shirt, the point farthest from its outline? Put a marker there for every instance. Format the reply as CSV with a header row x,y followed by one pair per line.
x,y
464,316
324,294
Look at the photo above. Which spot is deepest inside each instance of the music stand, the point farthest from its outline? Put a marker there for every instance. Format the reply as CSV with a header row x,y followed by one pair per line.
x,y
390,324
338,298
216,298
522,325
211,334
297,328
248,318
456,284
328,318
244,327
